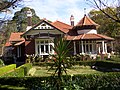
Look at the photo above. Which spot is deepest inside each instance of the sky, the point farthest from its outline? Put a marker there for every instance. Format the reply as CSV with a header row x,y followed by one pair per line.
x,y
56,9
59,9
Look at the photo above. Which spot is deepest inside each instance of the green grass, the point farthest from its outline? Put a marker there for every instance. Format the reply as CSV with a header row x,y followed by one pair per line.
x,y
43,71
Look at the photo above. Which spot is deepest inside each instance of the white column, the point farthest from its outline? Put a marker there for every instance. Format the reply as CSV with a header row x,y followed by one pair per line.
x,y
74,43
103,47
49,48
82,47
85,46
99,48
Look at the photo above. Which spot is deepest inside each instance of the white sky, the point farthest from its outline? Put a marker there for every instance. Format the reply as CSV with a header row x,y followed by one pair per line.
x,y
59,9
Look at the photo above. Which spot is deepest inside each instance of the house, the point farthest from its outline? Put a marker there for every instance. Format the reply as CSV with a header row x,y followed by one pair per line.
x,y
37,40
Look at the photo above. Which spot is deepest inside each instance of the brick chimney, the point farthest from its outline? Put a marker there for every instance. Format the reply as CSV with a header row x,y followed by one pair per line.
x,y
72,20
29,20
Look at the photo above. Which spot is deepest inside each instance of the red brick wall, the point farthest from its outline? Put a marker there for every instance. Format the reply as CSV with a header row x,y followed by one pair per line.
x,y
30,47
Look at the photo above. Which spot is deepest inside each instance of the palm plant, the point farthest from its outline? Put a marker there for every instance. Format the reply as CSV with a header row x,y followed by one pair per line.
x,y
61,48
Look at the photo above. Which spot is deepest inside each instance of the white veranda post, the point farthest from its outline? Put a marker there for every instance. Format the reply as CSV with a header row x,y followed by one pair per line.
x,y
74,47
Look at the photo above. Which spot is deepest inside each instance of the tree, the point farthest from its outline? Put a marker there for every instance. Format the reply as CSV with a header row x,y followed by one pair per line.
x,y
107,25
60,59
18,23
101,4
6,4
20,18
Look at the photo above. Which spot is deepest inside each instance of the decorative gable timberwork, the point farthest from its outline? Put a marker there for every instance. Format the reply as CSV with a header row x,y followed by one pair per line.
x,y
41,29
44,25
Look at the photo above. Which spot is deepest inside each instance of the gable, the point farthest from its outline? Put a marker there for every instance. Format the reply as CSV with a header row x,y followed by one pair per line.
x,y
43,25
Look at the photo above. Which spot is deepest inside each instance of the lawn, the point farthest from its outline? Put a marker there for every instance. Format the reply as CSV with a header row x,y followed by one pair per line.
x,y
43,71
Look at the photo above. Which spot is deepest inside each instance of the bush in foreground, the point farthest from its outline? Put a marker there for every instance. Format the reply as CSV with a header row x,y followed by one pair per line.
x,y
106,81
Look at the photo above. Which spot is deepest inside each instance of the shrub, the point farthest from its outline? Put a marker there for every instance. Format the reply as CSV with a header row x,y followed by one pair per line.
x,y
20,71
5,69
26,68
105,81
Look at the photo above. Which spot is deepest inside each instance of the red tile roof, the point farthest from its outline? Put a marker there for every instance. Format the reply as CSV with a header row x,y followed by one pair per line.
x,y
57,24
89,36
16,37
62,26
86,21
7,44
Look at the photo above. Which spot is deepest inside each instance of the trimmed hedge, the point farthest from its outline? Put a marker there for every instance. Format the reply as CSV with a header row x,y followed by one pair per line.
x,y
20,71
102,63
5,69
106,81
26,67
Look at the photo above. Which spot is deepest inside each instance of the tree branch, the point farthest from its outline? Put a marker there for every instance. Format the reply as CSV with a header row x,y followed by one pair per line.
x,y
8,4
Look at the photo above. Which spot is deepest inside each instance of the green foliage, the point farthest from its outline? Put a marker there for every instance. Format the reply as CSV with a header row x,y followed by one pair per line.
x,y
107,25
26,67
108,64
60,59
20,17
20,71
105,81
1,63
6,69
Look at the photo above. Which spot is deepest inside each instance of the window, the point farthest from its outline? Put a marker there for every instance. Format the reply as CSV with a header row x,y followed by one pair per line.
x,y
44,47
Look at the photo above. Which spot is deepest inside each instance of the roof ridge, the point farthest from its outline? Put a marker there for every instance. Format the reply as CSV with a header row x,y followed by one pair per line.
x,y
62,23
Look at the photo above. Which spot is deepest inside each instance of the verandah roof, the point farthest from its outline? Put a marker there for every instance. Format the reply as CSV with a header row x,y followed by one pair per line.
x,y
88,37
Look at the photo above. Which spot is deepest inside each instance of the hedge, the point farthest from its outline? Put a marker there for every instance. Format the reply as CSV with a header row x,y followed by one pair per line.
x,y
106,81
5,69
20,71
102,63
26,67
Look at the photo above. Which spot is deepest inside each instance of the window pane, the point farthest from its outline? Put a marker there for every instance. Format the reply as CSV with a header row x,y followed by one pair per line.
x,y
42,48
90,47
50,48
46,48
87,47
38,49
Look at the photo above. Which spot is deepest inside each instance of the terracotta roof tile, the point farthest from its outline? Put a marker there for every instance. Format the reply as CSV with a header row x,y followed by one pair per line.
x,y
86,21
62,26
88,36
16,37
7,44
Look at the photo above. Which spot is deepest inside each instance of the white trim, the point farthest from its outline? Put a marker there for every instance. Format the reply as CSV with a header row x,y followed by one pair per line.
x,y
74,47
82,47
48,44
103,47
